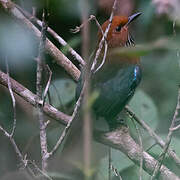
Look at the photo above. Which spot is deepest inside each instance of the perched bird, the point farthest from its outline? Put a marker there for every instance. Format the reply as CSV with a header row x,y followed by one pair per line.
x,y
119,76
115,83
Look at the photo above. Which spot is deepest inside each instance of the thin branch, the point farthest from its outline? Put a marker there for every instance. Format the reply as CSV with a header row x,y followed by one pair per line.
x,y
33,19
168,138
110,167
22,159
31,98
118,139
39,92
154,135
20,156
13,101
103,40
48,84
141,148
57,55
175,128
66,130
115,171
39,170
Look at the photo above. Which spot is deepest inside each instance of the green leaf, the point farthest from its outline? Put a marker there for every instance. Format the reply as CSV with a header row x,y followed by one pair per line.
x,y
145,109
119,161
155,151
144,49
62,92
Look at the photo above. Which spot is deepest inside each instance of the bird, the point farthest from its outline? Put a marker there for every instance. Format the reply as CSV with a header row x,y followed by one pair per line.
x,y
115,83
119,76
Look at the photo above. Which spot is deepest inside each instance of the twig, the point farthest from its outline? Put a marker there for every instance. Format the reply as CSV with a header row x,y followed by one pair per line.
x,y
154,135
169,137
118,139
116,172
57,55
66,130
103,40
33,19
175,128
39,170
13,101
20,156
141,148
48,84
42,123
92,17
22,159
109,163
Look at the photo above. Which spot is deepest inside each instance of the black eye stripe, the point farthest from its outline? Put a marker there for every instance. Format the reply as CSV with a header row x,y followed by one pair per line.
x,y
118,28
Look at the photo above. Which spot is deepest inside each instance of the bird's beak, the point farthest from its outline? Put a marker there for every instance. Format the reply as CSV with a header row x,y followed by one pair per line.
x,y
133,17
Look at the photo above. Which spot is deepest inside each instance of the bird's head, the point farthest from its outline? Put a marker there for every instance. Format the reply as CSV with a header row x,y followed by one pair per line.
x,y
118,34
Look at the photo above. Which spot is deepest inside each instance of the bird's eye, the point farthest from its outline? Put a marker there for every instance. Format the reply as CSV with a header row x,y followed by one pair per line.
x,y
118,28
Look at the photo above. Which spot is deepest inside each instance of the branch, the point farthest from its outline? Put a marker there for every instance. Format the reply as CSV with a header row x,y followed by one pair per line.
x,y
57,55
35,20
13,101
154,135
69,124
120,139
39,92
168,139
33,100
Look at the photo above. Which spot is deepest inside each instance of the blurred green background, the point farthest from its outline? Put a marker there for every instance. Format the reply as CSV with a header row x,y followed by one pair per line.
x,y
154,101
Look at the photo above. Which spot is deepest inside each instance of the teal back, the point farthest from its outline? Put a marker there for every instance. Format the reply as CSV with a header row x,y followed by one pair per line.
x,y
115,87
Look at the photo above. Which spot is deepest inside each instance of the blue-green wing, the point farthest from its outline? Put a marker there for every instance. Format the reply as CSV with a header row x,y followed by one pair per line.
x,y
114,93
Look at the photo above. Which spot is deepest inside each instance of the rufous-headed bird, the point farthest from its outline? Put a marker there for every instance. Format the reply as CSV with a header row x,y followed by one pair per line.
x,y
115,83
119,76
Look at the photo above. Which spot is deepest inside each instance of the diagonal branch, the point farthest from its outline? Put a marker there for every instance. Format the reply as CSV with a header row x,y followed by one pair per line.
x,y
39,92
57,55
120,139
35,20
28,96
154,135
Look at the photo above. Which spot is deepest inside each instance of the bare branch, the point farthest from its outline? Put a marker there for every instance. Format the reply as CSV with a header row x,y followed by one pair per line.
x,y
103,40
39,170
58,56
22,159
48,84
13,100
33,100
66,130
141,148
33,19
39,92
115,171
118,139
168,139
154,135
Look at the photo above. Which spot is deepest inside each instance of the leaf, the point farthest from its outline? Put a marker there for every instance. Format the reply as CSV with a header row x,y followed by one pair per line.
x,y
145,109
126,168
62,92
119,161
168,161
144,49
